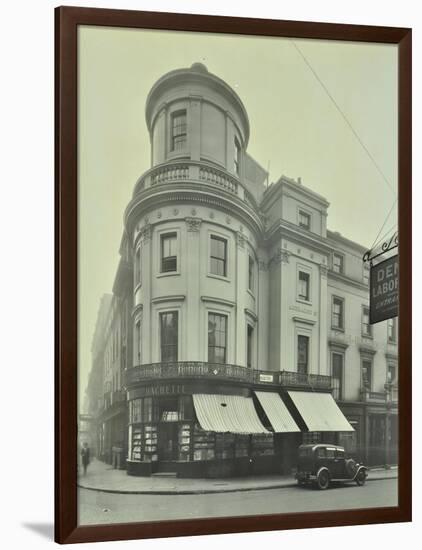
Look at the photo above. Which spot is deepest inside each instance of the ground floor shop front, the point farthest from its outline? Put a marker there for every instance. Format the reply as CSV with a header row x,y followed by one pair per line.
x,y
112,438
374,440
230,432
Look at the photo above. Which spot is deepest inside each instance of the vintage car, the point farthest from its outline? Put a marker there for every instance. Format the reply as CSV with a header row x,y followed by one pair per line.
x,y
321,464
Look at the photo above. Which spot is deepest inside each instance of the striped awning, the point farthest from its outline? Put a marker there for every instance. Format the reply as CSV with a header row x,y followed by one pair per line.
x,y
320,412
277,413
227,413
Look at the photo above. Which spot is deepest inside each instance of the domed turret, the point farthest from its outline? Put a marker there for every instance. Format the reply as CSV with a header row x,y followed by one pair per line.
x,y
192,114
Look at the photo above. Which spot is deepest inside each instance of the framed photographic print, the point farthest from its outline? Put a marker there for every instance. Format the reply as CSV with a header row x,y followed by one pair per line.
x,y
233,212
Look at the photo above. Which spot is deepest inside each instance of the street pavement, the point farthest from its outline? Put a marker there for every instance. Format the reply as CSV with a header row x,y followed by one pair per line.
x,y
102,477
99,507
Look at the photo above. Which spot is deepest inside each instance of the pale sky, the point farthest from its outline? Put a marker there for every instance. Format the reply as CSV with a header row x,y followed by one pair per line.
x,y
295,130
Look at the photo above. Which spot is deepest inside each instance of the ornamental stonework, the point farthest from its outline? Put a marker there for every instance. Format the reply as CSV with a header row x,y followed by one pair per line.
x,y
262,265
323,270
241,240
145,233
193,224
280,257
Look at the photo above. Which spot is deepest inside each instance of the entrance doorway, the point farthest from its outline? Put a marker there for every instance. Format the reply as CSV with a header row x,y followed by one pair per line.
x,y
168,429
167,441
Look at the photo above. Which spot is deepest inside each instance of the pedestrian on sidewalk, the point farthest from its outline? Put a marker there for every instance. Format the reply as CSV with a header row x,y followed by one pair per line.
x,y
85,456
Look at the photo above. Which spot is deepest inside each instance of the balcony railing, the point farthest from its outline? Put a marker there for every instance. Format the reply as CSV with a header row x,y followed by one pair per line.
x,y
298,379
390,395
191,171
373,396
218,177
174,172
199,369
188,369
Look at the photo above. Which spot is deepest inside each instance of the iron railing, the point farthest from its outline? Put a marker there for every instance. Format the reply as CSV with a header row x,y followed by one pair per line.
x,y
187,369
390,394
200,369
298,379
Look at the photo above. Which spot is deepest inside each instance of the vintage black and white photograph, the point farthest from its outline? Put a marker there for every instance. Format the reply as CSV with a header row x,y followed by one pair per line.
x,y
237,275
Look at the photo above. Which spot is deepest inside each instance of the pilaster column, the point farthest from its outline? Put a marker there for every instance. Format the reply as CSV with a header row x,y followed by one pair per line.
x,y
195,128
323,366
263,310
278,351
241,286
192,320
146,277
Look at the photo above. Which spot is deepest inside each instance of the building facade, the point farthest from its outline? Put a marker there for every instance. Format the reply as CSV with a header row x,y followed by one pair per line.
x,y
94,394
242,322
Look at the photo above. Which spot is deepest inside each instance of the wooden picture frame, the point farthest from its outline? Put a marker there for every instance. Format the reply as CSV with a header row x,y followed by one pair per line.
x,y
67,20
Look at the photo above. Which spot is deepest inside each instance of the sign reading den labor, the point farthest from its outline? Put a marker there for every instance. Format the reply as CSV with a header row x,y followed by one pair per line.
x,y
384,298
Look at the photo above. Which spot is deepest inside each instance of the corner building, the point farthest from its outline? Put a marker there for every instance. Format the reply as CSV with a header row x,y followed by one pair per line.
x,y
232,338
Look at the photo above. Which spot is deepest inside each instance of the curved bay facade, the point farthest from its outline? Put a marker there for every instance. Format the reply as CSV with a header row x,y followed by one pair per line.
x,y
237,320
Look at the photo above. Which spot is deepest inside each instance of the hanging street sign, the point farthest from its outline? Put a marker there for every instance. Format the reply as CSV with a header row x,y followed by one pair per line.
x,y
384,290
389,244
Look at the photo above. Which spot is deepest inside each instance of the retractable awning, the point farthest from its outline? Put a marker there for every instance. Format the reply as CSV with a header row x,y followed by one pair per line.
x,y
277,413
320,412
227,413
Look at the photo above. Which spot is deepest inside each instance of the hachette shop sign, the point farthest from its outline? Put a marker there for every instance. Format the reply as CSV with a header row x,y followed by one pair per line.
x,y
384,297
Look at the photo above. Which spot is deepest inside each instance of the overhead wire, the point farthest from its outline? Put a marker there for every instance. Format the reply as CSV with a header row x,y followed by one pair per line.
x,y
385,221
392,228
355,133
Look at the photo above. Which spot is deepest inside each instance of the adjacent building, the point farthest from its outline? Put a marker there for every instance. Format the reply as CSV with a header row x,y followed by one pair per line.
x,y
239,323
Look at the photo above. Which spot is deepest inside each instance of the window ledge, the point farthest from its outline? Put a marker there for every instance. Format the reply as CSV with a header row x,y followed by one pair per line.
x,y
304,320
137,287
218,300
251,294
167,274
303,301
171,298
219,277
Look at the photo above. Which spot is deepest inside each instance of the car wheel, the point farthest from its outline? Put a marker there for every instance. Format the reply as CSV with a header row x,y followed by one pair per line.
x,y
323,479
361,478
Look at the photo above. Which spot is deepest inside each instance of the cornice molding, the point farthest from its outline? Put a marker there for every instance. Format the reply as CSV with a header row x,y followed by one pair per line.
x,y
367,350
284,229
347,280
340,344
199,193
279,188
